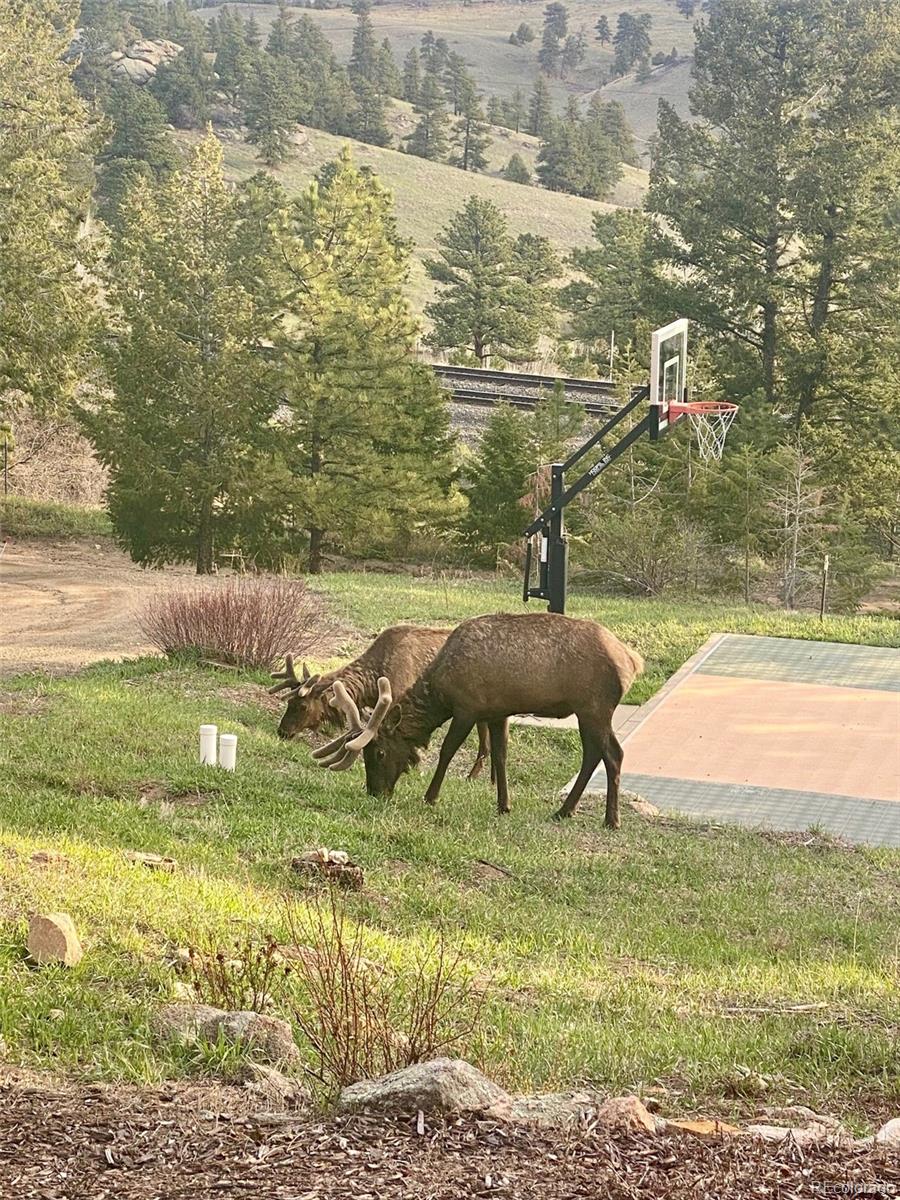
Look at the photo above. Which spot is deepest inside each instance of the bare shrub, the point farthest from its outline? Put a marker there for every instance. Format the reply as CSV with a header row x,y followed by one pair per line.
x,y
361,1019
248,621
49,458
248,975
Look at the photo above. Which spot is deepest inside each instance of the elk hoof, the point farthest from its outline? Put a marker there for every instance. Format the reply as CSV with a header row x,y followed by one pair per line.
x,y
561,815
612,823
476,769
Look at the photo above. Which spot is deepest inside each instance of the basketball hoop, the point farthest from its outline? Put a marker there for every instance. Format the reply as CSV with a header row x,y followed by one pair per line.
x,y
710,421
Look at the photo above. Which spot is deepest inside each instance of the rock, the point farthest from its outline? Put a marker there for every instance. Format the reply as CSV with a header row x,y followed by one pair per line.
x,y
809,1135
270,1037
798,1115
625,1112
56,1014
155,862
141,60
889,1135
552,1110
52,939
135,69
706,1129
444,1085
329,866
643,808
276,1090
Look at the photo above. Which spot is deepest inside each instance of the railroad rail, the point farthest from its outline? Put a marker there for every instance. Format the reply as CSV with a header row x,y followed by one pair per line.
x,y
514,383
489,397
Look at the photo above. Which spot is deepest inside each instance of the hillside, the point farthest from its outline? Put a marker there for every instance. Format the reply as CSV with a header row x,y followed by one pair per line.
x,y
426,194
480,33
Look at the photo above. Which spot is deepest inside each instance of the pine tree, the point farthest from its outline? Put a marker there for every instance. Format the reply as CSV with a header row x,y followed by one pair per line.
x,y
576,156
389,81
189,409
603,32
184,86
687,8
329,102
429,138
540,109
517,110
274,101
412,76
139,146
498,479
365,445
631,41
280,41
516,171
252,35
458,83
494,298
45,144
572,54
470,136
234,55
610,118
364,52
495,111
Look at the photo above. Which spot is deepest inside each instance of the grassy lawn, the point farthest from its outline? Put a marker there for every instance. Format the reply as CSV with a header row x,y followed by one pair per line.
x,y
668,954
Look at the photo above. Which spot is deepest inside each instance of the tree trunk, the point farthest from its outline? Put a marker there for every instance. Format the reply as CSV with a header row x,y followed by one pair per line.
x,y
820,309
316,537
204,560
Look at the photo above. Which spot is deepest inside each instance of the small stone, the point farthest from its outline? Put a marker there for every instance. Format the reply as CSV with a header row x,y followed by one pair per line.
x,y
889,1135
276,1090
643,808
155,862
442,1085
706,1129
52,939
56,1014
551,1110
808,1136
625,1112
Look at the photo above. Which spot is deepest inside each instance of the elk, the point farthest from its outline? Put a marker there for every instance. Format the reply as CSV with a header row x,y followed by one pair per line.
x,y
400,654
489,669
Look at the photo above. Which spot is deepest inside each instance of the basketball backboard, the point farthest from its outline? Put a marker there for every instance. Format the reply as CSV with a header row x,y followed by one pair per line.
x,y
668,371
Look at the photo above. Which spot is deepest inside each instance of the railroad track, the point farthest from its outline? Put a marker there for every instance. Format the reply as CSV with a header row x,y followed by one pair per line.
x,y
465,379
488,398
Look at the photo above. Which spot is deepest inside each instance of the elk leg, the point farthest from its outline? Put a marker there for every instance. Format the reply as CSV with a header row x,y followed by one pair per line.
x,y
484,747
460,728
612,760
592,746
499,743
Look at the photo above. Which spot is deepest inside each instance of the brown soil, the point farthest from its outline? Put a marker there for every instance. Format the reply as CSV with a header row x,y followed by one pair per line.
x,y
65,605
196,1144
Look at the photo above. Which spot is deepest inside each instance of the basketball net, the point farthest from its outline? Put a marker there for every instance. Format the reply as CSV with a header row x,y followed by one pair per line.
x,y
710,421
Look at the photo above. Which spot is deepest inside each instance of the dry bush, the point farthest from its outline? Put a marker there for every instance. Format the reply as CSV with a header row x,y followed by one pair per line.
x,y
51,459
248,621
363,1020
248,975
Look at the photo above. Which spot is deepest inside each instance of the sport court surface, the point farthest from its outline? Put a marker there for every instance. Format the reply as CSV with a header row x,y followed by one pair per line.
x,y
774,732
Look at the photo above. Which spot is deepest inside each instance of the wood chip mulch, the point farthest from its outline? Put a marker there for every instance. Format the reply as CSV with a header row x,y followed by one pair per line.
x,y
117,1144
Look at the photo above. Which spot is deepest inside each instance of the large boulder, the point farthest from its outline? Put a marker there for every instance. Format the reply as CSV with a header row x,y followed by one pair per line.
x,y
444,1085
52,938
270,1038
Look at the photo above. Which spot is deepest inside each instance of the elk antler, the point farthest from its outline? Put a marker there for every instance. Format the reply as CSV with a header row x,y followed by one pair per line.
x,y
288,677
343,752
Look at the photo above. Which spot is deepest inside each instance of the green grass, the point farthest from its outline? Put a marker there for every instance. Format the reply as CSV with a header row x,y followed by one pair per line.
x,y
23,518
616,959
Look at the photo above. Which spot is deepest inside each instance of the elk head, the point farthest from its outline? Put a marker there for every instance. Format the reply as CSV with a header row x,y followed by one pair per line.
x,y
387,754
308,705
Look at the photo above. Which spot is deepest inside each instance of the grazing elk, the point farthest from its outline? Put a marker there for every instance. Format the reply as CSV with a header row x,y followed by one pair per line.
x,y
489,669
400,654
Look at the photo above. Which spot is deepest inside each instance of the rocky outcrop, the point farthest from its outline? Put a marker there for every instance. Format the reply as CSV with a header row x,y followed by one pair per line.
x,y
138,62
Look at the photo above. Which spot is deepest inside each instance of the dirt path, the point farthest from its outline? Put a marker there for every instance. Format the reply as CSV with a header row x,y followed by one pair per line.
x,y
63,605
127,1144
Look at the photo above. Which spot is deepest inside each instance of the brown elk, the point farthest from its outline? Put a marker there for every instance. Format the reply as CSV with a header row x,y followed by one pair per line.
x,y
489,669
400,653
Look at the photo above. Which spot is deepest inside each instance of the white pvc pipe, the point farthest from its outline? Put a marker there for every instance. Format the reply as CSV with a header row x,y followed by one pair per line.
x,y
228,751
208,745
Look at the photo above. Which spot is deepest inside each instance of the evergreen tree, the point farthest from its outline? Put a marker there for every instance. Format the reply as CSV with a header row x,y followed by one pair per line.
x,y
470,135
274,101
429,138
368,122
189,409
516,171
499,478
280,41
139,146
603,32
366,439
540,109
780,265
495,299
577,156
45,144
364,52
234,54
631,42
329,102
458,83
522,35
687,8
610,118
518,110
412,76
252,35
495,111
388,76
572,54
184,86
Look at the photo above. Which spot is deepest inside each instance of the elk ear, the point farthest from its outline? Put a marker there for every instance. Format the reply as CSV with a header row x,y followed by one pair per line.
x,y
393,718
305,673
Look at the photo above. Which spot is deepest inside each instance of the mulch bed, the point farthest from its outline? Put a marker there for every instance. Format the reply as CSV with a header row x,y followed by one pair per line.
x,y
115,1144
